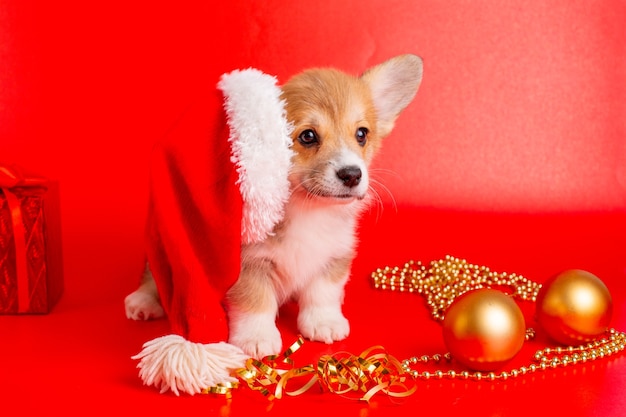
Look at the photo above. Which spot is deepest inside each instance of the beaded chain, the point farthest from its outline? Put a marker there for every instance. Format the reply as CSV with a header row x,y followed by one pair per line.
x,y
448,278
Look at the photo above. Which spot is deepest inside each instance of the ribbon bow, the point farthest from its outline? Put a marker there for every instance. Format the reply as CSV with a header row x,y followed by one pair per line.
x,y
12,176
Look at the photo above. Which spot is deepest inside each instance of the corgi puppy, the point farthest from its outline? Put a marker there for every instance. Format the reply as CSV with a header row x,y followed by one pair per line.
x,y
339,121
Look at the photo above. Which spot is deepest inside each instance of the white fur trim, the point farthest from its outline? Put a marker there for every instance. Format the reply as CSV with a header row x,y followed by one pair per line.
x,y
173,363
261,148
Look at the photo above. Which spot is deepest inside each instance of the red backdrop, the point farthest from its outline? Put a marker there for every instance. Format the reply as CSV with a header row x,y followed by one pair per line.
x,y
522,108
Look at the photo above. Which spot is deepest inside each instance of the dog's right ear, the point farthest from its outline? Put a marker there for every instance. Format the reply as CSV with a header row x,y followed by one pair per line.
x,y
393,84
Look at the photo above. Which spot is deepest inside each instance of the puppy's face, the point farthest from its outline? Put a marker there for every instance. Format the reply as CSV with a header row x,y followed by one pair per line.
x,y
335,134
339,121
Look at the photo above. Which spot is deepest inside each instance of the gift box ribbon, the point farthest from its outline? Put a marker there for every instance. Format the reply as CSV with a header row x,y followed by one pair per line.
x,y
11,177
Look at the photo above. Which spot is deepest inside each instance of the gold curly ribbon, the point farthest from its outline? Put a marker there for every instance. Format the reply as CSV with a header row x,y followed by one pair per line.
x,y
354,376
225,389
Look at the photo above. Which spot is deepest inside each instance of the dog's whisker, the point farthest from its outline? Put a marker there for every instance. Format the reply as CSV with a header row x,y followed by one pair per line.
x,y
383,173
374,184
375,181
375,202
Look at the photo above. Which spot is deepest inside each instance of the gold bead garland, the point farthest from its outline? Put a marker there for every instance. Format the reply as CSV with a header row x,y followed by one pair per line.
x,y
548,358
449,278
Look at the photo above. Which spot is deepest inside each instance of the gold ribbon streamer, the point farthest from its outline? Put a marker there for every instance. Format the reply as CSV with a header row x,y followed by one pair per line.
x,y
354,376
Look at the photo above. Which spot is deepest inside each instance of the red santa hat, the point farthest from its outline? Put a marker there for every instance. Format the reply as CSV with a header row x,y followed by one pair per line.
x,y
218,180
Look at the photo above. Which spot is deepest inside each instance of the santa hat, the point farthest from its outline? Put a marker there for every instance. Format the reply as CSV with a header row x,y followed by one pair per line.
x,y
218,180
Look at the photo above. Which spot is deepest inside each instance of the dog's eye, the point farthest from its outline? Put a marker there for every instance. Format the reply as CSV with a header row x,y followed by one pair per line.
x,y
308,137
361,135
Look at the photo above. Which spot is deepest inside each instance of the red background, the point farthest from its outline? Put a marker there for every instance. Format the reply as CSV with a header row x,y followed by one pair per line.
x,y
512,155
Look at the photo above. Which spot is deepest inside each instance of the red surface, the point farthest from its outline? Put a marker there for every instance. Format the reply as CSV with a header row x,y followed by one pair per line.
x,y
512,155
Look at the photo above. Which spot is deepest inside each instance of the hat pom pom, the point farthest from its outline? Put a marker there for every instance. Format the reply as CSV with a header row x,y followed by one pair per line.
x,y
173,363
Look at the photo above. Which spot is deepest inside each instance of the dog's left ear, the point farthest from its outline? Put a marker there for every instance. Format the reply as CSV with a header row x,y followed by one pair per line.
x,y
393,83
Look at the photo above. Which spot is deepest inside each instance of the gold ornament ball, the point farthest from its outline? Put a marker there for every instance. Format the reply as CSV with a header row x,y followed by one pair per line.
x,y
483,329
574,307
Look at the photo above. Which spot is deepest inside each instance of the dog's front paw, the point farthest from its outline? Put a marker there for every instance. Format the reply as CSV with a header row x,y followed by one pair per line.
x,y
143,305
257,339
323,325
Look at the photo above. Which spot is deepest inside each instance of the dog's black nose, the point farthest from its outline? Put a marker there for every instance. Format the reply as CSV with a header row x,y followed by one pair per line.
x,y
350,176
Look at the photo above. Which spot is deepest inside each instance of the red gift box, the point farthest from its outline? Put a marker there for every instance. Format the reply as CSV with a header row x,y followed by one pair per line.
x,y
31,273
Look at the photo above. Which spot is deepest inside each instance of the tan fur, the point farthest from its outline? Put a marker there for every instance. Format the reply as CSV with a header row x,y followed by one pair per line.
x,y
334,104
253,285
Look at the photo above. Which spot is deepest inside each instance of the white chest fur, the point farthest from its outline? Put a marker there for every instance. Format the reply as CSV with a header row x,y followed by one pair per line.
x,y
311,236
